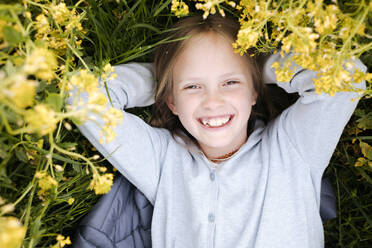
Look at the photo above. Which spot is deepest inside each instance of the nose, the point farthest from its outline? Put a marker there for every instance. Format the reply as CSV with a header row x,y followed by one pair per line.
x,y
213,99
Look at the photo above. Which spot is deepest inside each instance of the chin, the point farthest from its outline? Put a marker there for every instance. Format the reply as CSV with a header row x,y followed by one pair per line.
x,y
218,145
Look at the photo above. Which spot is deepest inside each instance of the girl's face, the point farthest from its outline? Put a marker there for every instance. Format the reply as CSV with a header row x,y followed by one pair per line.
x,y
213,94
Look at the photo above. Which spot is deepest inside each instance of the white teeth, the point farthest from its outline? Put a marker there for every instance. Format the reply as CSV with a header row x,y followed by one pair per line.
x,y
215,122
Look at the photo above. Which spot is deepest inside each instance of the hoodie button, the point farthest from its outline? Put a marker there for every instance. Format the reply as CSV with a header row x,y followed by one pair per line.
x,y
212,176
211,217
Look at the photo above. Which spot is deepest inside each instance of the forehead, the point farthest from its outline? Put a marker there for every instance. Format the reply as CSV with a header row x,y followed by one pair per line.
x,y
208,55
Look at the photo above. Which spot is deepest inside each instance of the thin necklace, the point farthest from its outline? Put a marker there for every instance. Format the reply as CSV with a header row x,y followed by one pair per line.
x,y
223,157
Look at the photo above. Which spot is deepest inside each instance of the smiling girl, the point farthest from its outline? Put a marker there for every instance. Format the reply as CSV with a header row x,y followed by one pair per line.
x,y
218,169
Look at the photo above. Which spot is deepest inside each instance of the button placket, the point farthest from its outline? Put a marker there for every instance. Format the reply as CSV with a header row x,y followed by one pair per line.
x,y
212,200
213,203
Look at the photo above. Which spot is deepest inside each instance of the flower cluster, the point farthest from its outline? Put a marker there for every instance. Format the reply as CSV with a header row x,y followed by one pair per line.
x,y
319,36
41,63
101,183
39,43
41,119
61,241
18,91
86,82
317,33
57,25
11,232
211,6
179,8
46,183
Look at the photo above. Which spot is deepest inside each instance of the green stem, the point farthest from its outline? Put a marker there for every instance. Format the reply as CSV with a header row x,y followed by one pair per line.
x,y
27,212
363,49
25,192
64,80
18,22
73,154
351,36
77,55
50,154
57,138
46,205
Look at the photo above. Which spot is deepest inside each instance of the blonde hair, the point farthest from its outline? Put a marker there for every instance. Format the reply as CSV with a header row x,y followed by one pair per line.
x,y
166,56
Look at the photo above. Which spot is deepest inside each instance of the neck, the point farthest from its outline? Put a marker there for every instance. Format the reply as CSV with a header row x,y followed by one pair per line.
x,y
215,155
212,152
223,157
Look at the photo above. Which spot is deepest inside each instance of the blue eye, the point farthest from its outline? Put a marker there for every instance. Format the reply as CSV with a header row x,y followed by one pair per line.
x,y
191,87
231,82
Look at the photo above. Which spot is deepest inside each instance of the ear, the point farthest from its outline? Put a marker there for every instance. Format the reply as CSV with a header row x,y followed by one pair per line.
x,y
254,99
171,105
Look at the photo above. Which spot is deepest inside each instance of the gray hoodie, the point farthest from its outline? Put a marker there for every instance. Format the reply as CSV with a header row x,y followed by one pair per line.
x,y
266,195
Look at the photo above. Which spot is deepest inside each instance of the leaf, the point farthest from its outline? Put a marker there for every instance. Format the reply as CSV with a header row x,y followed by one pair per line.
x,y
12,36
21,155
77,168
365,121
359,112
67,145
3,154
366,150
36,230
54,101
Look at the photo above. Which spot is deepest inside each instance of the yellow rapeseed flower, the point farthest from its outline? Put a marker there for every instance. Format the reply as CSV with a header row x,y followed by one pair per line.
x,y
327,20
85,81
247,38
45,182
111,118
74,23
12,232
283,72
108,69
42,26
60,13
97,101
179,8
41,119
101,183
211,6
56,41
22,91
70,200
62,241
41,63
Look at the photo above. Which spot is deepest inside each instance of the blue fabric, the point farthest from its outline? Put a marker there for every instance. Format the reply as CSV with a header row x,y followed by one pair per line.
x,y
122,217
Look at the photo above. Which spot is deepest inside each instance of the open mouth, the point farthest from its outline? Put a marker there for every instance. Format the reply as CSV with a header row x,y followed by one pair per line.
x,y
216,122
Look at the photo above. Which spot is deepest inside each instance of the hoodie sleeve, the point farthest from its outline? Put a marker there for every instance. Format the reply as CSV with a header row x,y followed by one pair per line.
x,y
138,148
314,123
